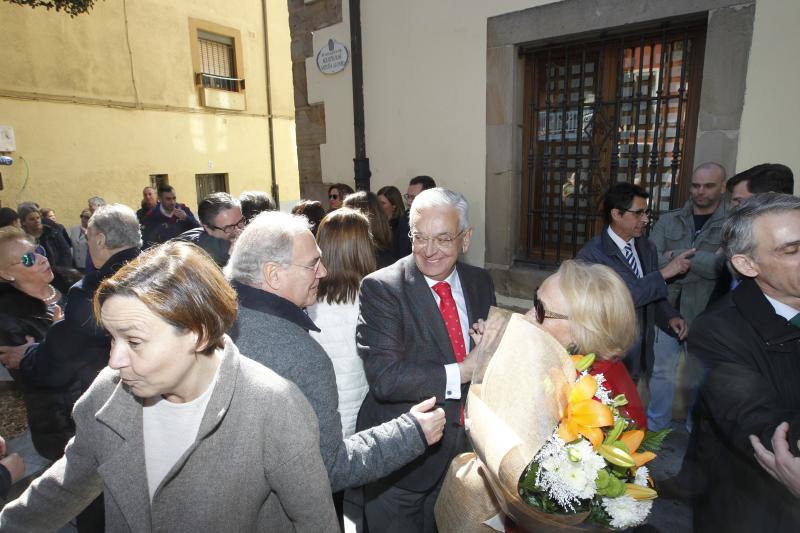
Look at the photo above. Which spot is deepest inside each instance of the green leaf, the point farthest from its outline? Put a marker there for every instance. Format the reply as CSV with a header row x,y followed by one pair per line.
x,y
653,440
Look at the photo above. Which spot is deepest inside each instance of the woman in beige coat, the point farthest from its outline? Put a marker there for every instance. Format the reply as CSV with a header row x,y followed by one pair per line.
x,y
182,433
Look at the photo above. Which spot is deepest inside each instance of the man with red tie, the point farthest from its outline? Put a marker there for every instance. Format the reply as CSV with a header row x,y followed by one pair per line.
x,y
413,336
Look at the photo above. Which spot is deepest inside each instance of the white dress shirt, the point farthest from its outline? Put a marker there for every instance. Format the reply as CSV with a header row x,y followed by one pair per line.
x,y
621,245
453,388
782,309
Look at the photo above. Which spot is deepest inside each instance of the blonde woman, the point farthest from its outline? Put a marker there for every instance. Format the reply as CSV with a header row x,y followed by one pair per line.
x,y
588,308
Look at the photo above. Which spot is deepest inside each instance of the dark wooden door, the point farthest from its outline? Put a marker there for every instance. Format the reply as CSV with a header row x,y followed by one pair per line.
x,y
622,108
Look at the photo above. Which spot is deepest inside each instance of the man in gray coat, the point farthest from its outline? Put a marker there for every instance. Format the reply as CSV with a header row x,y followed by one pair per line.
x,y
275,267
697,225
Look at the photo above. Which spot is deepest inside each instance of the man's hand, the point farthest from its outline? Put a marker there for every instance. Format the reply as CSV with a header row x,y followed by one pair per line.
x,y
680,264
10,356
431,421
15,465
477,330
180,214
468,365
780,463
14,462
679,326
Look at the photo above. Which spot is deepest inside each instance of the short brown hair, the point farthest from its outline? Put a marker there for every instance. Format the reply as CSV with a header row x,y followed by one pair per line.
x,y
367,203
179,282
347,253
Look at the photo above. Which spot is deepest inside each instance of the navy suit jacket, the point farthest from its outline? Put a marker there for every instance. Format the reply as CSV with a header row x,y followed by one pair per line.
x,y
649,292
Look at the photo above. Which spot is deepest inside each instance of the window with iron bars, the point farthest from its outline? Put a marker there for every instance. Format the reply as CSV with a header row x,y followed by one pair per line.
x,y
218,62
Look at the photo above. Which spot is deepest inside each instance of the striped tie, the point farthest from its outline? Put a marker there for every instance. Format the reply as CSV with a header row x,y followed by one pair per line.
x,y
631,259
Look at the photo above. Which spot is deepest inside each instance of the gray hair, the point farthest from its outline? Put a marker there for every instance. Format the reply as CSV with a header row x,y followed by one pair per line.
x,y
737,232
440,197
119,224
26,208
96,201
269,237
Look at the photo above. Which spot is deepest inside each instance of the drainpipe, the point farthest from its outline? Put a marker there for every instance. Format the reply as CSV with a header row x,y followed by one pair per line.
x,y
361,161
274,192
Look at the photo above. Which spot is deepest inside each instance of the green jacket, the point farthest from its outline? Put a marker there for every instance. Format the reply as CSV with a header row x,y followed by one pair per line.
x,y
674,232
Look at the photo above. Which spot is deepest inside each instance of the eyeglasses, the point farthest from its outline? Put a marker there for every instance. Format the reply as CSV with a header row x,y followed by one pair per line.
x,y
641,213
542,313
333,197
443,242
314,268
230,228
85,217
29,259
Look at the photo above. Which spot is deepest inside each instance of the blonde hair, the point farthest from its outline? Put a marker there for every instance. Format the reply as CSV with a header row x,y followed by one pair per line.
x,y
602,317
10,234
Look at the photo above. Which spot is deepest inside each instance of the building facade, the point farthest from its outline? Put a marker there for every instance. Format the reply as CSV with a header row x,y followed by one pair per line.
x,y
531,108
196,94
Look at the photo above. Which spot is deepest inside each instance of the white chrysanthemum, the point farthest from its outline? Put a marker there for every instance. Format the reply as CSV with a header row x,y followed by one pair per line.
x,y
626,511
641,476
602,394
568,472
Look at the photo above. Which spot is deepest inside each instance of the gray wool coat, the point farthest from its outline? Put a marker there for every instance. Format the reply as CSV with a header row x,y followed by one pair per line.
x,y
254,466
264,332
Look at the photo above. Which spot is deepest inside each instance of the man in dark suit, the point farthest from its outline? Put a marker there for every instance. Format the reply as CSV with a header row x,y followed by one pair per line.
x,y
168,219
413,335
623,247
750,343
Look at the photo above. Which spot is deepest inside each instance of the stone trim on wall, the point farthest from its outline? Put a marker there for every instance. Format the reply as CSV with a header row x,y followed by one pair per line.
x,y
306,17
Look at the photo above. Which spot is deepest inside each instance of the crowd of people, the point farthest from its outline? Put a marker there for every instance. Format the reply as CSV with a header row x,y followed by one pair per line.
x,y
268,361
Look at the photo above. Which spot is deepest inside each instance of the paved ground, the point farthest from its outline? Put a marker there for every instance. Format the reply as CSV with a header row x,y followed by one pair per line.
x,y
669,516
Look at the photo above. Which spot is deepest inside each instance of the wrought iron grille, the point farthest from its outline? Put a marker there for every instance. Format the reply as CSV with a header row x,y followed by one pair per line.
x,y
623,108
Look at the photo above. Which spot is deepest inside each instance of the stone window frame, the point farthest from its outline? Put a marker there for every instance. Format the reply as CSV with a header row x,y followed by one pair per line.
x,y
729,31
196,26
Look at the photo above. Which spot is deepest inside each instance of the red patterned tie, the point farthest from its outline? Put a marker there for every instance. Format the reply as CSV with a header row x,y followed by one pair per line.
x,y
447,306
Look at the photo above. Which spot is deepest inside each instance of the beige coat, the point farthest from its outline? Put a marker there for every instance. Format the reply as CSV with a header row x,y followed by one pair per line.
x,y
255,465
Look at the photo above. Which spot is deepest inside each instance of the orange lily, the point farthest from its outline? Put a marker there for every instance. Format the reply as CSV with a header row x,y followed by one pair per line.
x,y
584,416
633,439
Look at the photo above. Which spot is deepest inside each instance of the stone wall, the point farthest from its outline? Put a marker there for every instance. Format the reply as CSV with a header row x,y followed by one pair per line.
x,y
304,18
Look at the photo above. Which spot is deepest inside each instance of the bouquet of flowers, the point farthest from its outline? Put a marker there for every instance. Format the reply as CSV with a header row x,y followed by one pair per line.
x,y
593,463
552,452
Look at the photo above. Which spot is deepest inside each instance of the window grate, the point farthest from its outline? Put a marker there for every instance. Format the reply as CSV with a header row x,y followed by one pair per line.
x,y
598,112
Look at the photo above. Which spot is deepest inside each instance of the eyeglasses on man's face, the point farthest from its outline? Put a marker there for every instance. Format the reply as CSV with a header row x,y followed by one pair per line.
x,y
542,312
314,268
230,228
641,213
443,242
333,197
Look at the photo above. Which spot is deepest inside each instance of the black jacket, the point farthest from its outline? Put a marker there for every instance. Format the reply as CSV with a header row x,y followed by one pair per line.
x,y
48,408
753,384
76,348
218,249
158,228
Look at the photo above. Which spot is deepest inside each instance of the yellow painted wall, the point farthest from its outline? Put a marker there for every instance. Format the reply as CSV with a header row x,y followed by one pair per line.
x,y
771,113
101,101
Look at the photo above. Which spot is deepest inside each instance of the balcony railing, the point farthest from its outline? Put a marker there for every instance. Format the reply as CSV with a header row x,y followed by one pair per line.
x,y
220,82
